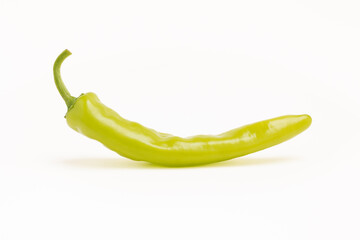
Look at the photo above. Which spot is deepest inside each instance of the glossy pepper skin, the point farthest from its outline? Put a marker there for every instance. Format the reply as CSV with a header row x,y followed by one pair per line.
x,y
88,116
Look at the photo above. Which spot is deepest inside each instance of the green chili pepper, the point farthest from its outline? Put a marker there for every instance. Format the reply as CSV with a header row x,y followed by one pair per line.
x,y
87,115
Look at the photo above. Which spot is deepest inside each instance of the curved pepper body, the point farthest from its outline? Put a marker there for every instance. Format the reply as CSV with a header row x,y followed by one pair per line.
x,y
90,117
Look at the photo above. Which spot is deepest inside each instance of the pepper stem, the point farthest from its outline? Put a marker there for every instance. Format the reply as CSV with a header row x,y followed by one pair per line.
x,y
69,100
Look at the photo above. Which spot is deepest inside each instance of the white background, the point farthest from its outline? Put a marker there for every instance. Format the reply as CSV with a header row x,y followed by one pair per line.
x,y
187,68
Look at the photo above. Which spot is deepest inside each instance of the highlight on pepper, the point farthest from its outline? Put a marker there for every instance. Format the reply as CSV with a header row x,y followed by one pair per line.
x,y
88,116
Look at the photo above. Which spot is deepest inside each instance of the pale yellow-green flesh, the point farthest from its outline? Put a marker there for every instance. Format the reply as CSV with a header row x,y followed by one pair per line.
x,y
132,140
